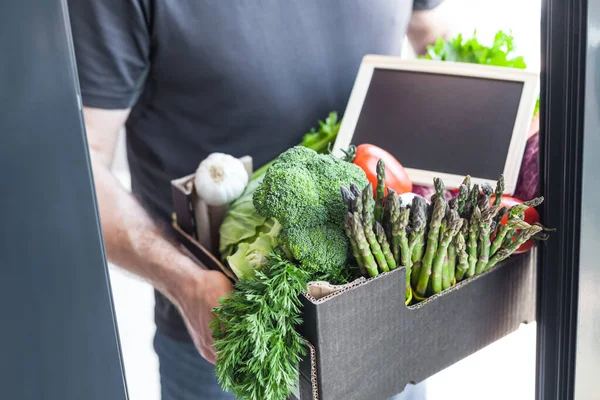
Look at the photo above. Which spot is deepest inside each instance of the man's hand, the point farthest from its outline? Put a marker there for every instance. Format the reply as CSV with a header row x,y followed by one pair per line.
x,y
195,303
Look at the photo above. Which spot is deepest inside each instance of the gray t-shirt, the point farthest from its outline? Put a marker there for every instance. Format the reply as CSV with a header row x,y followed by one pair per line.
x,y
244,77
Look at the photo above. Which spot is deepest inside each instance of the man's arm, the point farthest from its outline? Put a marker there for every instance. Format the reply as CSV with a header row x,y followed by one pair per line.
x,y
135,243
426,26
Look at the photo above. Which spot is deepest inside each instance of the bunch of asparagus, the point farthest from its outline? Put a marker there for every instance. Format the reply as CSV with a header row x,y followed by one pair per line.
x,y
440,243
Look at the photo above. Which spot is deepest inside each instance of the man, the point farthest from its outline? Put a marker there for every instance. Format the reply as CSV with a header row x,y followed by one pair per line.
x,y
191,77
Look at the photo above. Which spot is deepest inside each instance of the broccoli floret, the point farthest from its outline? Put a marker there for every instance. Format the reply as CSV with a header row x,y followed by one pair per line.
x,y
321,250
301,189
289,193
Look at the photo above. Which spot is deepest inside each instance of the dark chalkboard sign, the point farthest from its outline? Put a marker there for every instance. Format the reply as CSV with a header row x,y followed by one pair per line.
x,y
442,119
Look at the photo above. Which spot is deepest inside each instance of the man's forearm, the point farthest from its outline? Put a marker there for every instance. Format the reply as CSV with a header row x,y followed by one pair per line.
x,y
134,242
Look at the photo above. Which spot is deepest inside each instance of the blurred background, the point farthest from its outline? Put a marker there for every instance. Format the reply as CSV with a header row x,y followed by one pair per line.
x,y
504,370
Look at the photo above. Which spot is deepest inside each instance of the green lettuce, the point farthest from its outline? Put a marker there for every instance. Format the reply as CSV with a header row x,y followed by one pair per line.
x,y
246,237
460,49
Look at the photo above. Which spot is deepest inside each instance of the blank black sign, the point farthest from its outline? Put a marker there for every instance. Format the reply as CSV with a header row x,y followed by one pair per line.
x,y
443,123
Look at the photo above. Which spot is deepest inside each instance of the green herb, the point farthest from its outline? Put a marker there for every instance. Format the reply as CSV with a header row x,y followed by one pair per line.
x,y
258,348
471,50
319,140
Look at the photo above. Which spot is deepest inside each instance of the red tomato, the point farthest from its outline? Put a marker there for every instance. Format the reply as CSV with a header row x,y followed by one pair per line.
x,y
367,156
531,216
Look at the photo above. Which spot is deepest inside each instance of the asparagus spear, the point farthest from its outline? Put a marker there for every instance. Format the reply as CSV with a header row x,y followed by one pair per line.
x,y
392,208
400,245
517,212
368,222
367,199
355,190
385,246
357,205
472,243
471,202
453,204
347,197
499,190
520,238
355,250
463,258
484,198
439,210
463,193
357,230
501,213
416,242
519,209
467,183
388,205
437,276
438,184
486,220
451,263
405,255
510,226
400,238
380,191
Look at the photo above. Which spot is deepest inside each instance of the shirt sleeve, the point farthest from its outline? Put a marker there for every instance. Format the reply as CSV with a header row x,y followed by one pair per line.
x,y
423,5
112,44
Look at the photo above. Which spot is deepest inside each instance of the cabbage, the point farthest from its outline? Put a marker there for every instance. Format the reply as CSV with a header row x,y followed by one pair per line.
x,y
252,256
246,237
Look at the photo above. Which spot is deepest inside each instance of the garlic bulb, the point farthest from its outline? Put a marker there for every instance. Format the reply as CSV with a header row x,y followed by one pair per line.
x,y
220,179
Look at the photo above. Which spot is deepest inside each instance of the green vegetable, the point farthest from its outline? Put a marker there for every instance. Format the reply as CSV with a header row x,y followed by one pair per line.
x,y
472,242
246,237
451,264
321,249
439,210
510,226
499,191
368,223
416,241
301,190
242,223
519,239
463,258
317,140
385,246
252,256
257,345
437,276
355,224
380,191
486,220
463,194
461,49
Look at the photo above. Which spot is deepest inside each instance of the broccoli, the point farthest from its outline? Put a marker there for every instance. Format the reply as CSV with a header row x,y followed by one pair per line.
x,y
301,189
322,249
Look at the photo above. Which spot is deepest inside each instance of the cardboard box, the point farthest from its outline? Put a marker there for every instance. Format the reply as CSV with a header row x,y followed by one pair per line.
x,y
364,343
